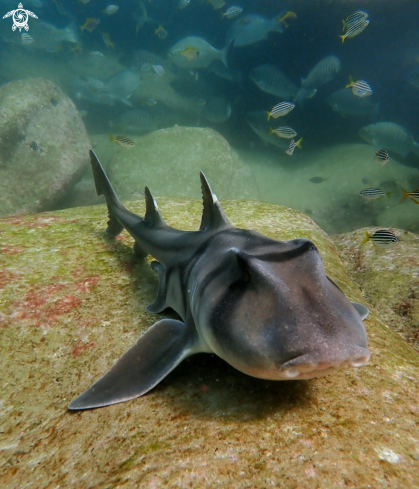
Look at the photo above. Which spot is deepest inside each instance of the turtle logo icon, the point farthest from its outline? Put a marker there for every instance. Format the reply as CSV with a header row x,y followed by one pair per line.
x,y
20,18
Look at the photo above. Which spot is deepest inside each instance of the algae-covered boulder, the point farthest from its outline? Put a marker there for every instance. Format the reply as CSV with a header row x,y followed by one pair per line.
x,y
168,162
389,277
34,176
72,301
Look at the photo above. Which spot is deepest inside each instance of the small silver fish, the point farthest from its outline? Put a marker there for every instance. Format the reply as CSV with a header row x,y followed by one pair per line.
x,y
26,38
281,109
159,70
381,238
283,132
110,9
232,12
372,193
355,29
382,157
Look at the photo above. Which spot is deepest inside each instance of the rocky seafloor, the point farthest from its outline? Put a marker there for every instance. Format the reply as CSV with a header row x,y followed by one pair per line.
x,y
73,300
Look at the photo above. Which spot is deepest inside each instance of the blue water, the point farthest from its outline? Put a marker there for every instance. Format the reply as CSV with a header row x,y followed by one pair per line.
x,y
386,54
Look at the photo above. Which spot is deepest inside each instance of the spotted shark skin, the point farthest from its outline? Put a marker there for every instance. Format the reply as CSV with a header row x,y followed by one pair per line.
x,y
264,306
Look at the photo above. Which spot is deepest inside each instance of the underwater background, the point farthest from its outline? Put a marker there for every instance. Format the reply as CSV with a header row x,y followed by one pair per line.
x,y
134,67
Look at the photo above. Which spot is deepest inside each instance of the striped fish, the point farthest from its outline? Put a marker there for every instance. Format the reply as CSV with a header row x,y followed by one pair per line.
x,y
280,110
283,132
26,38
122,141
372,193
232,12
382,157
353,18
381,238
292,146
413,195
360,88
355,29
159,70
34,146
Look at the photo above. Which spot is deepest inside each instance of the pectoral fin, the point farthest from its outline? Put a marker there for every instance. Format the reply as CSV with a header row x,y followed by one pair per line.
x,y
156,353
362,310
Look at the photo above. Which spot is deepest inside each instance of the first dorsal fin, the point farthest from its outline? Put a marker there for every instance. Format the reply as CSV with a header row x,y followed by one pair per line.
x,y
152,213
213,216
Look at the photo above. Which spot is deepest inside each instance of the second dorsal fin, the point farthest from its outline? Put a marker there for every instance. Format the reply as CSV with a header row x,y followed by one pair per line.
x,y
152,214
213,216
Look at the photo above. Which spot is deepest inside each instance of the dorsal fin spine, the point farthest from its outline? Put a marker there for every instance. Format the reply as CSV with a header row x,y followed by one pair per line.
x,y
213,216
152,213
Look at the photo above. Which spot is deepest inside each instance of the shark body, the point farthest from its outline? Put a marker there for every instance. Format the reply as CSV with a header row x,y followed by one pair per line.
x,y
265,306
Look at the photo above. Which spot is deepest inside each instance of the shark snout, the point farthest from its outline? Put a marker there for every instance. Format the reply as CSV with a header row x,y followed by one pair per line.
x,y
315,364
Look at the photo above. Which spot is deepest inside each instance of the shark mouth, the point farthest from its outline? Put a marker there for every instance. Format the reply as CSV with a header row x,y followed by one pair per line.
x,y
306,367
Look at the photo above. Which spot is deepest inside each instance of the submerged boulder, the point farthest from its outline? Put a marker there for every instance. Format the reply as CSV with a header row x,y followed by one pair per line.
x,y
43,146
168,161
73,301
389,277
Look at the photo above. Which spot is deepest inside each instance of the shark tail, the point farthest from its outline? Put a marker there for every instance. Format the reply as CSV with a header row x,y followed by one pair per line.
x,y
119,216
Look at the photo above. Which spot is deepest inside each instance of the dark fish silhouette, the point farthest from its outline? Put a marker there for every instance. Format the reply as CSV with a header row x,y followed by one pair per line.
x,y
265,306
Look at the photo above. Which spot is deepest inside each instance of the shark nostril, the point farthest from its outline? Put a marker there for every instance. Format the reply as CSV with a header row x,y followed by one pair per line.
x,y
359,361
291,373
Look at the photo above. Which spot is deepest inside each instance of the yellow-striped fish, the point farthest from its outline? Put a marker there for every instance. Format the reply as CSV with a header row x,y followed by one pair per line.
x,y
122,141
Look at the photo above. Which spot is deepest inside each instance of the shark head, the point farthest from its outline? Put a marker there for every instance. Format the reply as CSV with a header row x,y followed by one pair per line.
x,y
272,313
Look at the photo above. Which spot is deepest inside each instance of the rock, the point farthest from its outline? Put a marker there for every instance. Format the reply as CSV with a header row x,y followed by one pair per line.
x,y
406,216
389,278
168,161
73,301
33,180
